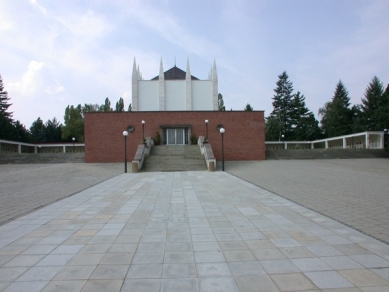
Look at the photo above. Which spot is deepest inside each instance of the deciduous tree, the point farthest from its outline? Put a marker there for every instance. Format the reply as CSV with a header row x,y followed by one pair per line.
x,y
120,105
221,102
74,124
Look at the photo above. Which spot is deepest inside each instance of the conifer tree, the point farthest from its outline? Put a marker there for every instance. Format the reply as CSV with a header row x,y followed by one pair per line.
x,y
382,116
282,100
371,103
336,115
38,131
303,122
4,101
248,108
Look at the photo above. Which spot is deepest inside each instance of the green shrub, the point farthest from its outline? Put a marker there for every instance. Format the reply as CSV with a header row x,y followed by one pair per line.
x,y
193,139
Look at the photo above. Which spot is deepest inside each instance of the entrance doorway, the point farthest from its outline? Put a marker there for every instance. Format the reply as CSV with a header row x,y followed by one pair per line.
x,y
176,136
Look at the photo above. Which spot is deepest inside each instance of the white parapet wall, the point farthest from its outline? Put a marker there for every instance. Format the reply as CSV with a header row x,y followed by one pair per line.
x,y
363,140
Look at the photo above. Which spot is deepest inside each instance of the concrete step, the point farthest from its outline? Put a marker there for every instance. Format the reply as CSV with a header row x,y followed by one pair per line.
x,y
175,158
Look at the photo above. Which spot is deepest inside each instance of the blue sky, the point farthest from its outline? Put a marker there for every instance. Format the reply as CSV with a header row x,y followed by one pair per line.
x,y
59,53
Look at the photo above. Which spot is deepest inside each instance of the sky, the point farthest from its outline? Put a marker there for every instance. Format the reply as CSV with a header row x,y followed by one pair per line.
x,y
55,53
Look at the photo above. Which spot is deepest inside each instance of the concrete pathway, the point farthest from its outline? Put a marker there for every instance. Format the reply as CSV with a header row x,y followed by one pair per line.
x,y
185,231
24,188
352,191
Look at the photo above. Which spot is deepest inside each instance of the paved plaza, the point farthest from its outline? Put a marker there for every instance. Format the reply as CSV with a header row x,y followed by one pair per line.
x,y
24,188
186,231
352,191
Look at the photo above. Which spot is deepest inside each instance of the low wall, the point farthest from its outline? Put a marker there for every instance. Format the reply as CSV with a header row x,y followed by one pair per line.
x,y
325,154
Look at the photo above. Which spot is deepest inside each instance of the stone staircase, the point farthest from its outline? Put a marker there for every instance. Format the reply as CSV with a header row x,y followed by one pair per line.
x,y
175,158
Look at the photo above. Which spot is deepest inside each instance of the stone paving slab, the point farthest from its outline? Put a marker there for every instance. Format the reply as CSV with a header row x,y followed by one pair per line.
x,y
352,191
24,188
186,231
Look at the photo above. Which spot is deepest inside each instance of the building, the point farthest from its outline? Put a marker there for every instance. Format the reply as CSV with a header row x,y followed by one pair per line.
x,y
174,106
174,90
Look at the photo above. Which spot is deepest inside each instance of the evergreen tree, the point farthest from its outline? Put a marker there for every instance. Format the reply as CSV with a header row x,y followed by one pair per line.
x,y
129,108
282,101
6,128
74,123
303,122
4,102
382,115
221,102
248,108
53,130
38,131
336,115
371,103
120,105
272,128
21,133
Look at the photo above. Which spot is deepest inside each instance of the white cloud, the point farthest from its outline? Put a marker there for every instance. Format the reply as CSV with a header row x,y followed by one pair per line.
x,y
41,8
37,79
172,30
89,25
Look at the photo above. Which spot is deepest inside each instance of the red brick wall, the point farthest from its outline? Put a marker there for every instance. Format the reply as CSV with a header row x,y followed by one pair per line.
x,y
244,138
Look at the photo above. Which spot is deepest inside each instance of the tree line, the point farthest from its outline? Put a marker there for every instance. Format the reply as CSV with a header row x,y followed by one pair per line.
x,y
291,120
50,131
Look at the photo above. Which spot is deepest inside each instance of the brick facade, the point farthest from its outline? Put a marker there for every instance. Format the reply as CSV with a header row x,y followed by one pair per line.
x,y
244,138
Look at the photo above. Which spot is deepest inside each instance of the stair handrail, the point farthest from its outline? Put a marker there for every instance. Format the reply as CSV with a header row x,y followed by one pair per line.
x,y
206,151
142,151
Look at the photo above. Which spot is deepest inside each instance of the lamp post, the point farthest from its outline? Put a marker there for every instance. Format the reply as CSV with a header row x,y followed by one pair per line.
x,y
283,141
74,139
125,134
222,130
143,130
206,130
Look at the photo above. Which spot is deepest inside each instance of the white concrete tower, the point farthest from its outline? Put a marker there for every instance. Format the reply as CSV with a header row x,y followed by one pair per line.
x,y
161,88
215,90
188,80
135,78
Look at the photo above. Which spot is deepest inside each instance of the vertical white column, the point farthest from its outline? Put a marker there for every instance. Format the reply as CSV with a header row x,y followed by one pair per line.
x,y
134,88
215,89
162,101
188,80
19,148
344,142
367,140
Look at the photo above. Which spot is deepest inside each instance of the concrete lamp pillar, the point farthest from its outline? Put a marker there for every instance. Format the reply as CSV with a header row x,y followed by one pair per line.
x,y
206,130
125,134
143,130
283,141
73,139
222,131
